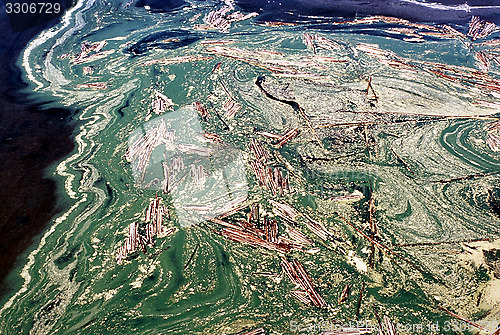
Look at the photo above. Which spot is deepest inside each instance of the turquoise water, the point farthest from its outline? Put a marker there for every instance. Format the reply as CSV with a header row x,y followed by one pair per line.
x,y
70,281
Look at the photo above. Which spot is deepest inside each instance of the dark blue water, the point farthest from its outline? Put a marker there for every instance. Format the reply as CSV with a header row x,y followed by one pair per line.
x,y
32,137
415,10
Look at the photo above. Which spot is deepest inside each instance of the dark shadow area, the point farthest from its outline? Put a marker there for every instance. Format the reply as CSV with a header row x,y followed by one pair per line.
x,y
449,11
29,14
32,137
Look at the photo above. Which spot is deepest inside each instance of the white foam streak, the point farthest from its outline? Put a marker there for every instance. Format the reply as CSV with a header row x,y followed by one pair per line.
x,y
46,36
98,120
31,258
463,7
